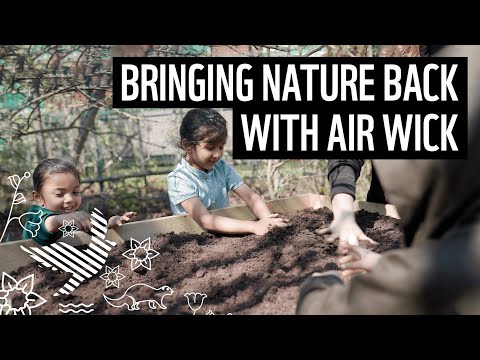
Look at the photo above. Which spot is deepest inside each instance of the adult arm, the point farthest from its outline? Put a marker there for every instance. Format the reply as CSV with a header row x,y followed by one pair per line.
x,y
342,175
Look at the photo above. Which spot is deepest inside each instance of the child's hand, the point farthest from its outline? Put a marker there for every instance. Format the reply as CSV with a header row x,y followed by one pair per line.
x,y
118,220
81,220
266,223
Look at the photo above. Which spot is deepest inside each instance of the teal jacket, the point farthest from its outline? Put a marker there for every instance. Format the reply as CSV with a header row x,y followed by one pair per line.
x,y
34,227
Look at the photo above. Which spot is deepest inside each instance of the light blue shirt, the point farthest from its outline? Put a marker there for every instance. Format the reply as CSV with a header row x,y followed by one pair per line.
x,y
186,182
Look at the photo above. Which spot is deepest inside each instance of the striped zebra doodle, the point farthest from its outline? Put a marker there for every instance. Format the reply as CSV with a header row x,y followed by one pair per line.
x,y
83,264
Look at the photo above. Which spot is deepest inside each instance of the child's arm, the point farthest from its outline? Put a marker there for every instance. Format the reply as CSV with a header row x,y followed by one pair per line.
x,y
195,208
81,220
118,220
253,201
258,205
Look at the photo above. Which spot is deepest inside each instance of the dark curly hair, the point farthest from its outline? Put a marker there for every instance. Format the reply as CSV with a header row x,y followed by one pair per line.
x,y
52,166
202,125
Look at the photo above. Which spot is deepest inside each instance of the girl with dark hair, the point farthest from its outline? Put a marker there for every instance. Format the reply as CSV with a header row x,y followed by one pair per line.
x,y
56,191
202,179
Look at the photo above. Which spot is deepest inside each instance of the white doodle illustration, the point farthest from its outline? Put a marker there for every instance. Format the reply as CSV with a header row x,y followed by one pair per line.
x,y
77,308
18,297
68,228
83,264
34,226
210,312
140,254
195,301
150,293
112,276
19,198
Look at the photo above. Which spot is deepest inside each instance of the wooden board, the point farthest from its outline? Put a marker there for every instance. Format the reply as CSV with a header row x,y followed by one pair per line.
x,y
12,257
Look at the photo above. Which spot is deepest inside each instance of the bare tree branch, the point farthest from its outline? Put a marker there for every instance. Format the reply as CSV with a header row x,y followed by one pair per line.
x,y
121,177
274,47
311,52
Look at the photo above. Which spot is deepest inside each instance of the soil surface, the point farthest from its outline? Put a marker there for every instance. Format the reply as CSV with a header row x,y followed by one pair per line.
x,y
230,274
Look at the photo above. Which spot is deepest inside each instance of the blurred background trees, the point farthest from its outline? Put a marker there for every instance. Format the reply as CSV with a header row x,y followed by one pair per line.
x,y
55,100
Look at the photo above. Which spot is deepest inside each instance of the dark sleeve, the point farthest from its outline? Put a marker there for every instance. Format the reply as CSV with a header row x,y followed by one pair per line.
x,y
376,193
343,175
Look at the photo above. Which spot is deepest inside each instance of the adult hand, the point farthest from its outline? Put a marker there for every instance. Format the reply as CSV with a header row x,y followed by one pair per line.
x,y
358,261
118,220
346,230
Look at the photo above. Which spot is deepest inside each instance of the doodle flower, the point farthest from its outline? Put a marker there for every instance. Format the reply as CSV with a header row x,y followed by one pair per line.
x,y
15,180
35,225
112,276
195,301
68,228
17,297
141,254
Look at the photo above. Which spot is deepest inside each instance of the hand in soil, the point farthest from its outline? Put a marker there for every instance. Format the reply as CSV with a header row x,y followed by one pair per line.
x,y
118,220
347,231
263,225
358,261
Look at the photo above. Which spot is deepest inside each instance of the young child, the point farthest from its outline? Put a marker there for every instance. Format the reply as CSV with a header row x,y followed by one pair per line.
x,y
202,179
56,185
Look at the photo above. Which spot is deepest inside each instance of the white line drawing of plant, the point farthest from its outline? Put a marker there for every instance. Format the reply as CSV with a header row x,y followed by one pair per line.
x,y
193,301
33,233
112,276
141,254
12,289
18,198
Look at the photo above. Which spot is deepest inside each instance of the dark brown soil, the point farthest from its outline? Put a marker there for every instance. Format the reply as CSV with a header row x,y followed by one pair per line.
x,y
239,274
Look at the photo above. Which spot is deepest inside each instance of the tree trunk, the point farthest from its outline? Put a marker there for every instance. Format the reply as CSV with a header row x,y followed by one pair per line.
x,y
86,122
41,148
141,151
